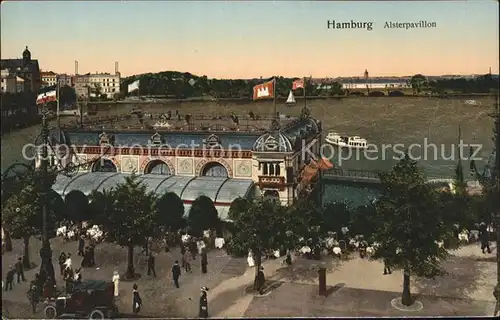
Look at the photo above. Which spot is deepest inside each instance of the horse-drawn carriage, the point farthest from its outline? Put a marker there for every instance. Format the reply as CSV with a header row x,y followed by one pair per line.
x,y
92,299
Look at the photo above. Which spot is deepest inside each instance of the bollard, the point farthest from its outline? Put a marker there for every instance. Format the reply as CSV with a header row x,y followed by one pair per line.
x,y
322,281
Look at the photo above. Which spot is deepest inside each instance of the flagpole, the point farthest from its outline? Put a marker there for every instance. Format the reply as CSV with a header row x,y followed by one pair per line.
x,y
58,110
305,104
274,101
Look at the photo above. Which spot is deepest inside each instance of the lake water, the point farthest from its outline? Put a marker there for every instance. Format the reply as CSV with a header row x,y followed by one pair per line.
x,y
419,123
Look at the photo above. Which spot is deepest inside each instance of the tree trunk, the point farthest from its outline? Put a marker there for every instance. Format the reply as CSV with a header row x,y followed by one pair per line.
x,y
26,252
406,299
130,274
258,263
8,241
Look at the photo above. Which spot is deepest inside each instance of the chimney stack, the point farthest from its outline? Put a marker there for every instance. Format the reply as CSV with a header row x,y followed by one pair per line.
x,y
76,68
116,67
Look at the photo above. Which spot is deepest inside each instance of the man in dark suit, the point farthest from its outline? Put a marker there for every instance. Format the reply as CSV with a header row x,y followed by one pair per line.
x,y
20,270
203,303
151,265
204,261
176,273
81,245
137,301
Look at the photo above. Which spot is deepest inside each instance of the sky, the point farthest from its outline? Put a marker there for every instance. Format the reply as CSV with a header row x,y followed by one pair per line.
x,y
244,39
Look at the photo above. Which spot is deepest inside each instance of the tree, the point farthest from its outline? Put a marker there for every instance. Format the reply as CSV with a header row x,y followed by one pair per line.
x,y
335,216
408,221
170,211
67,95
77,207
304,220
202,216
131,218
418,82
261,228
99,204
22,215
238,207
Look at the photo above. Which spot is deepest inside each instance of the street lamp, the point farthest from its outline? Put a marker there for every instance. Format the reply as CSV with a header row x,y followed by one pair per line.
x,y
497,199
46,267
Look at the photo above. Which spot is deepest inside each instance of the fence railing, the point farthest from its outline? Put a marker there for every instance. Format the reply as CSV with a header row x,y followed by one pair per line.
x,y
374,175
354,173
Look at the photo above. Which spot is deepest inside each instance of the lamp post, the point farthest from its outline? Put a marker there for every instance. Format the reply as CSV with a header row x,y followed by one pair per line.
x,y
46,267
496,175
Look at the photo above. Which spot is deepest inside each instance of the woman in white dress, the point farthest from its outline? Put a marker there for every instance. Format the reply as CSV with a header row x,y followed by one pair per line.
x,y
116,281
250,260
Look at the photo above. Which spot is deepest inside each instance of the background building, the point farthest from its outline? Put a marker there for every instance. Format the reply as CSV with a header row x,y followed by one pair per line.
x,y
98,84
20,85
21,75
49,78
65,80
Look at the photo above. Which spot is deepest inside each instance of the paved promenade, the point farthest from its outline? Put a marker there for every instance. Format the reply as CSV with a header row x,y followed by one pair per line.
x,y
357,286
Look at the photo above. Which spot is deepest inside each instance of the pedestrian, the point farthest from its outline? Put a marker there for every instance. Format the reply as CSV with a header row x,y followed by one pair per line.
x,y
203,303
193,248
20,270
49,288
70,283
116,282
261,279
67,263
62,260
183,252
78,276
483,236
81,245
9,279
176,273
362,248
33,296
151,265
387,267
204,261
137,301
66,272
92,255
186,261
288,259
85,258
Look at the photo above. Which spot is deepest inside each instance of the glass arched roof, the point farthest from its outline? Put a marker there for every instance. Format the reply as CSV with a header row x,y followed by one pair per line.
x,y
221,190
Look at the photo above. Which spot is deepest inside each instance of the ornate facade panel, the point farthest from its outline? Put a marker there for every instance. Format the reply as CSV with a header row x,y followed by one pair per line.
x,y
130,164
144,161
81,161
200,166
243,168
185,166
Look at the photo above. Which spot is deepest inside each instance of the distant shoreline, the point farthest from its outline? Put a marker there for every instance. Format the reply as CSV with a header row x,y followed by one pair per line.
x,y
282,99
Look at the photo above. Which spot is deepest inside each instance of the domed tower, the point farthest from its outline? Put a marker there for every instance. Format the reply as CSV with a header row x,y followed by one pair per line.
x,y
26,70
270,151
26,57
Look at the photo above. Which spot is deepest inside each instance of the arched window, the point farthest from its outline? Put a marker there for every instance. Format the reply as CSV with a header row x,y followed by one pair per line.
x,y
158,167
104,165
214,169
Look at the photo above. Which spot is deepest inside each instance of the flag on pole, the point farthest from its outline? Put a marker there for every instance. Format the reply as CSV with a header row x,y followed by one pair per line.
x,y
264,90
324,164
46,97
133,86
297,84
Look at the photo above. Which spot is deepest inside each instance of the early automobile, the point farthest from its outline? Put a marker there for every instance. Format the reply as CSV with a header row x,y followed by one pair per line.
x,y
92,299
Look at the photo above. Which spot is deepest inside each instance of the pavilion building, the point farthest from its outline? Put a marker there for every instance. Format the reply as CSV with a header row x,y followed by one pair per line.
x,y
222,164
